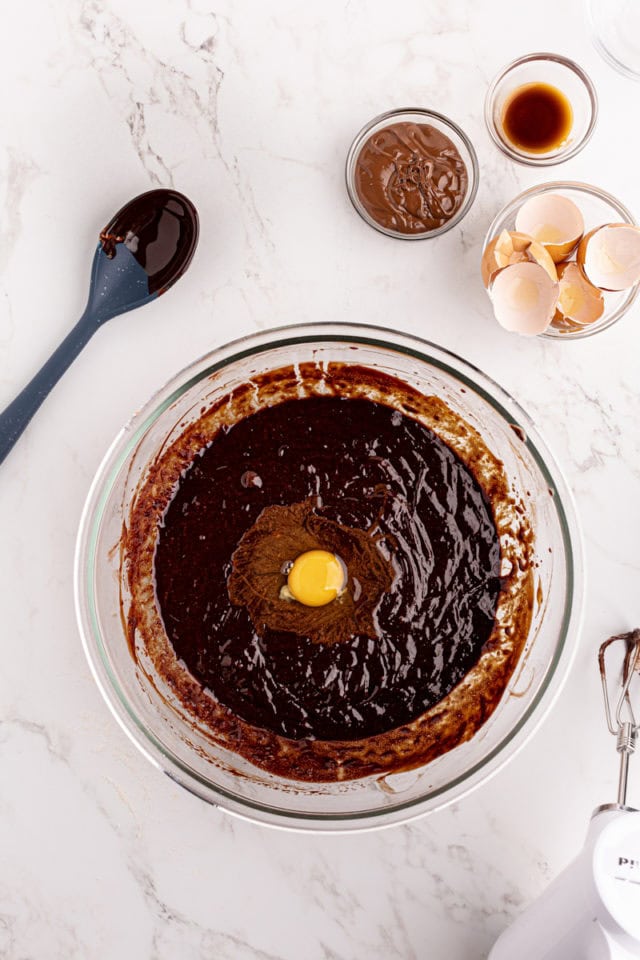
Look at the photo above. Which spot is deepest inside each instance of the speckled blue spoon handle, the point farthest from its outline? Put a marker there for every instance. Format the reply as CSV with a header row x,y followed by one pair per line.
x,y
17,415
118,284
143,250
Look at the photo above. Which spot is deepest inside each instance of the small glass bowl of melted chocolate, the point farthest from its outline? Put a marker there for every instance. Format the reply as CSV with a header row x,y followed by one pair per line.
x,y
455,626
412,174
541,109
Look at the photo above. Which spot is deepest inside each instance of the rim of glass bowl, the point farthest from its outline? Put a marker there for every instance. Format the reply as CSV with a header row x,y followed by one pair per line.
x,y
384,120
533,160
497,225
594,11
126,441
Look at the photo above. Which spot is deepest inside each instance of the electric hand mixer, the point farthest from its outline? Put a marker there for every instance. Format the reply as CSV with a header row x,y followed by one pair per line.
x,y
592,910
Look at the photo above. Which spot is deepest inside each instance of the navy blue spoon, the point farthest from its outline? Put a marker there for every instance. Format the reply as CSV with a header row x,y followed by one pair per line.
x,y
143,250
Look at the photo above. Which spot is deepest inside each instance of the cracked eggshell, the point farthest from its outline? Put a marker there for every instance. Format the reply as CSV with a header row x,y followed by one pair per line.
x,y
579,302
511,247
610,256
552,220
524,298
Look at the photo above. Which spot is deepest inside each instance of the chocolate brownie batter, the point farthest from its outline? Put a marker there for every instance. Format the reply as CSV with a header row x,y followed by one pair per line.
x,y
363,466
410,178
403,665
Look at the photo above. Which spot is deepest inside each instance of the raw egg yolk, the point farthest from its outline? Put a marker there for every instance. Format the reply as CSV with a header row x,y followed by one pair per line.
x,y
316,578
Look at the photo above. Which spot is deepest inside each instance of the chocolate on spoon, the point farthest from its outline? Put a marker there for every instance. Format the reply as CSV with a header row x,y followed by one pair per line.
x,y
143,250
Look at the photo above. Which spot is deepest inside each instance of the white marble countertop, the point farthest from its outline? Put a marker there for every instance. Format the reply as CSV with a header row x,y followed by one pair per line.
x,y
249,108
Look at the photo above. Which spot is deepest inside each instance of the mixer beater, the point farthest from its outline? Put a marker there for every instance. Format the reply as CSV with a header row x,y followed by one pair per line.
x,y
592,910
621,718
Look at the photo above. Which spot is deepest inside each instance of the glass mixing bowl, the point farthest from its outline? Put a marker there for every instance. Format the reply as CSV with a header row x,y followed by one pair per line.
x,y
160,728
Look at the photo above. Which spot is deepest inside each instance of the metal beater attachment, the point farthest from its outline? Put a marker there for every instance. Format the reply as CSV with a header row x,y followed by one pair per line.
x,y
619,661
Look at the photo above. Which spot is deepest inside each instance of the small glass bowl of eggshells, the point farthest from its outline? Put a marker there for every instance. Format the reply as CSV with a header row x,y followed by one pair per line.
x,y
562,261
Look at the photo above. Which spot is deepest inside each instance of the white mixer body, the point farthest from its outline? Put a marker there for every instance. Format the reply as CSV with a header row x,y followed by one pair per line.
x,y
592,910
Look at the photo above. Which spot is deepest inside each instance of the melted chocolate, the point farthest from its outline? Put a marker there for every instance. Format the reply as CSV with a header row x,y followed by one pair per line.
x,y
372,468
160,229
410,178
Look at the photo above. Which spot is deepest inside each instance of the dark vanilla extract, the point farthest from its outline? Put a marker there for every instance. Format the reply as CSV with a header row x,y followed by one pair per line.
x,y
537,118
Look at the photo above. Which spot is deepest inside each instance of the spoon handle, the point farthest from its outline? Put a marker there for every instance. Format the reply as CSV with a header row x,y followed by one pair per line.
x,y
17,415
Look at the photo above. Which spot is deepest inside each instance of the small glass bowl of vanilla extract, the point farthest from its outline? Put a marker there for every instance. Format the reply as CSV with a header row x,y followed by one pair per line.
x,y
541,109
